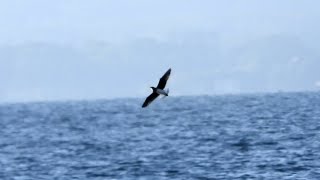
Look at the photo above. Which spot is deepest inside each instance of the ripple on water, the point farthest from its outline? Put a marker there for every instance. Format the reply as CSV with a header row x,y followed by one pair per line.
x,y
272,136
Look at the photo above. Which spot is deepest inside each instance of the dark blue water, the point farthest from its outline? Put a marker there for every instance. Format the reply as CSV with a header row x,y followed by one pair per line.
x,y
271,136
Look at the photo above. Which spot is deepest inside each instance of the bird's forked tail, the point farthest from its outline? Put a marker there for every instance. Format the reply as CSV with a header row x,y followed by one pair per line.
x,y
167,92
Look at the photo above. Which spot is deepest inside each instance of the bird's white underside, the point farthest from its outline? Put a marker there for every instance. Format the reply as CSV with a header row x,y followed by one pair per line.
x,y
163,92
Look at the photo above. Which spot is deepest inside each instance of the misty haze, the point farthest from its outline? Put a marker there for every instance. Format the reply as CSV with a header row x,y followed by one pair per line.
x,y
84,53
84,89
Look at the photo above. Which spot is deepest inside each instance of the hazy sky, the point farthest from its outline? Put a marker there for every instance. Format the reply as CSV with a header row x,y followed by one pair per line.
x,y
80,49
80,20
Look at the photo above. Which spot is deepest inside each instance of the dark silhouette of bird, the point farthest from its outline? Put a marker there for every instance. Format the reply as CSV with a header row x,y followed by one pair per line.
x,y
156,91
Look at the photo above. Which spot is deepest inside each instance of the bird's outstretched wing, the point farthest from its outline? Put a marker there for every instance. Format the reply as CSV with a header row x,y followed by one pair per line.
x,y
163,80
149,99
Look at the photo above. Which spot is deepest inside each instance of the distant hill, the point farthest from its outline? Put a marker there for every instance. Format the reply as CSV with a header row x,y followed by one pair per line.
x,y
99,69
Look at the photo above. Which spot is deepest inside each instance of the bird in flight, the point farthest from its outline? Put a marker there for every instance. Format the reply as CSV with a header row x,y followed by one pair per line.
x,y
156,91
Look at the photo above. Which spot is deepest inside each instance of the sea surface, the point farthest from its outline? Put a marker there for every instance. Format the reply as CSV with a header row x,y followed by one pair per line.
x,y
258,136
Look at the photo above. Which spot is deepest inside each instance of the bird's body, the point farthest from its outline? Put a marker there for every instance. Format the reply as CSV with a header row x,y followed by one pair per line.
x,y
159,90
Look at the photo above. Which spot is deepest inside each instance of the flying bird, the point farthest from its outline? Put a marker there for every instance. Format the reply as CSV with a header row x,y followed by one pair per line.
x,y
156,91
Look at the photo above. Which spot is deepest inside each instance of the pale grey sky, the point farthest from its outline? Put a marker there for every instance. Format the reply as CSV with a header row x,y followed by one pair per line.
x,y
79,49
80,20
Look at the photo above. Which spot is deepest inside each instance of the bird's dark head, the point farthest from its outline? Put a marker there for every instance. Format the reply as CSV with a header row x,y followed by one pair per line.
x,y
153,88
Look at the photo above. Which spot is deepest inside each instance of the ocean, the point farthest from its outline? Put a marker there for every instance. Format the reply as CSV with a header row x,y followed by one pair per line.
x,y
252,136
